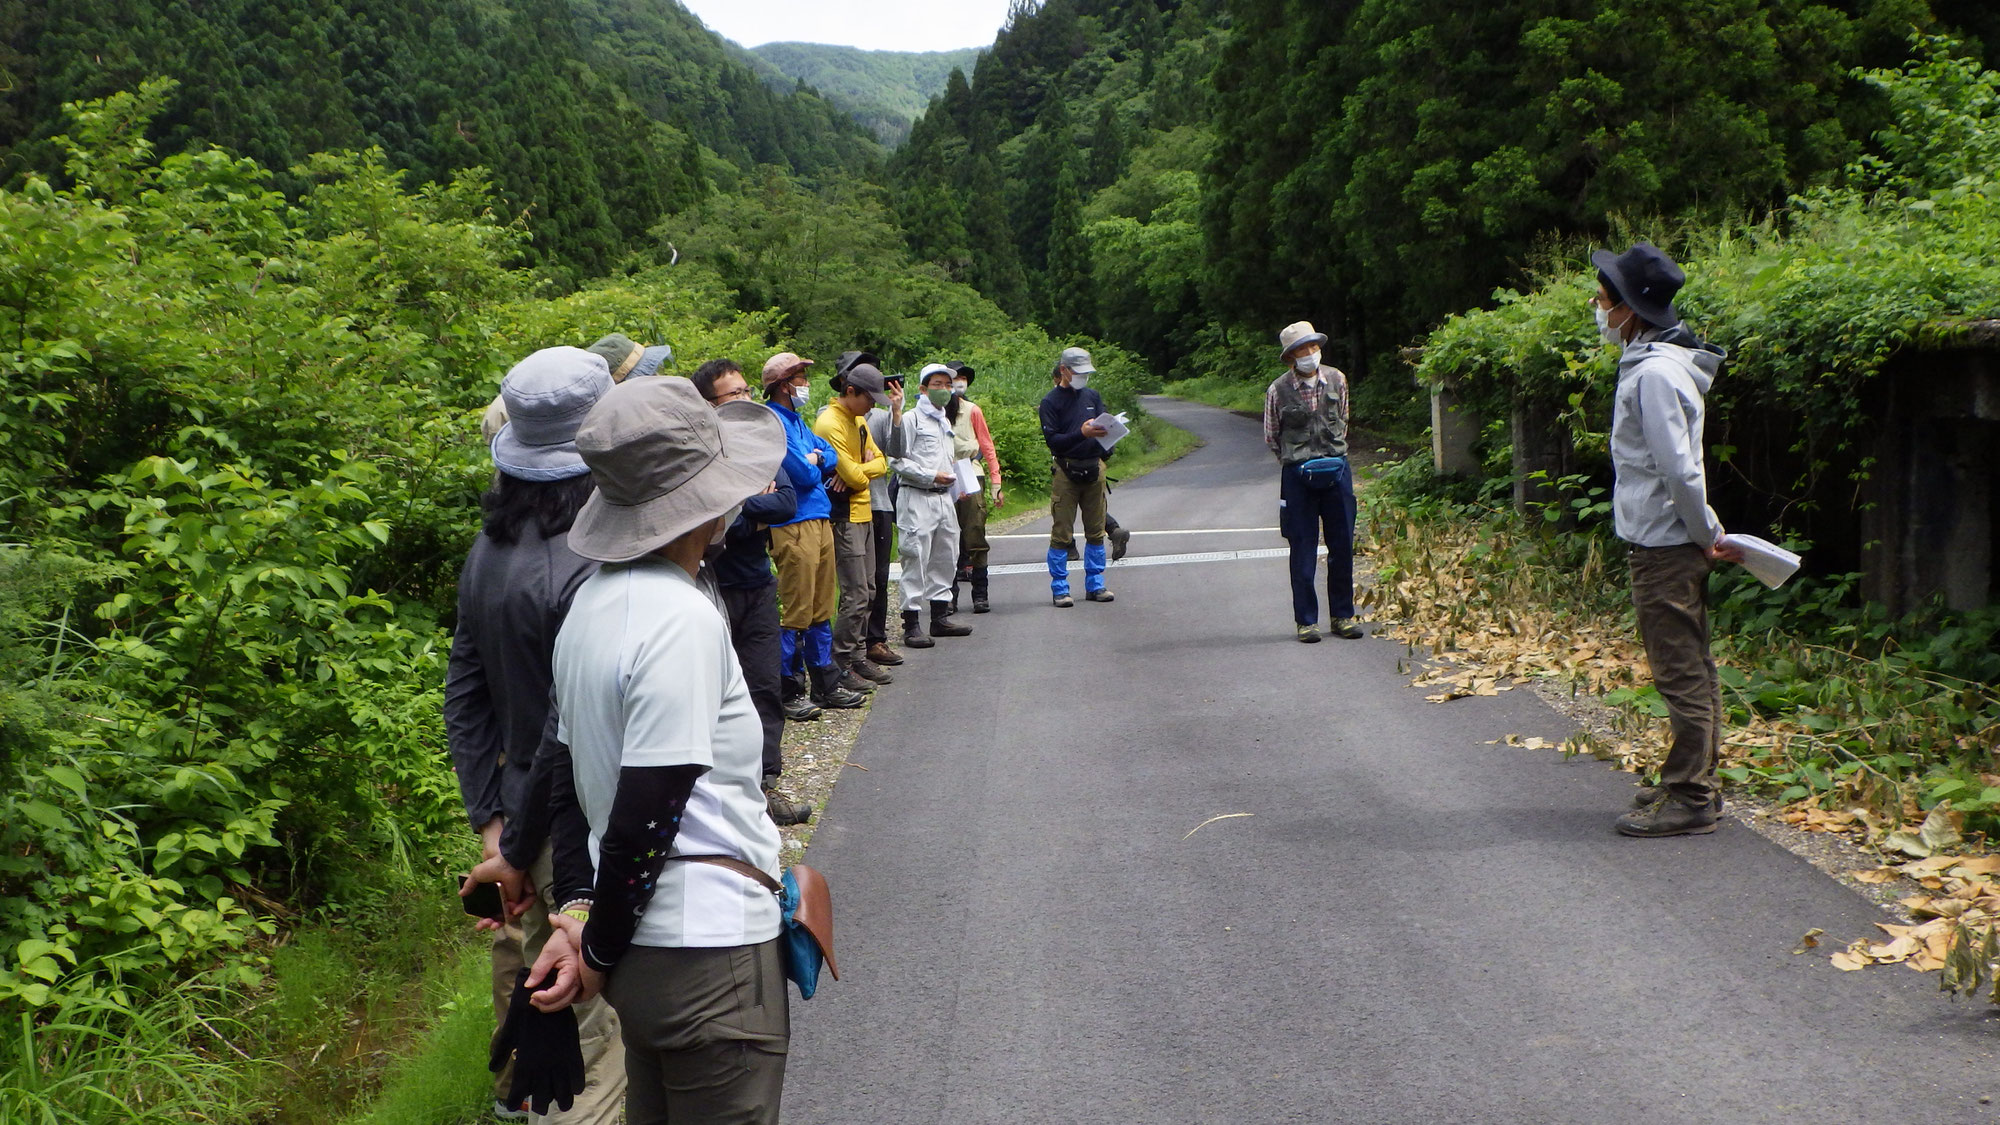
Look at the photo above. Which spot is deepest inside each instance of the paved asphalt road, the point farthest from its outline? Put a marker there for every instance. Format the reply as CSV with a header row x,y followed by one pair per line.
x,y
1413,926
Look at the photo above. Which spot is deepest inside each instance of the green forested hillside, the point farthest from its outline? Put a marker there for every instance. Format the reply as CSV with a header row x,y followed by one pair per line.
x,y
594,117
1184,175
883,90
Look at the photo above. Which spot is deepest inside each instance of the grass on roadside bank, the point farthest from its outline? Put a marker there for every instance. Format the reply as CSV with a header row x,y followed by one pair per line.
x,y
1885,730
302,1037
1154,442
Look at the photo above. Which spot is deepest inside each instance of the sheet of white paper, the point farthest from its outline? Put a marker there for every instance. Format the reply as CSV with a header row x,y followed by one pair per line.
x,y
1771,564
1116,426
967,483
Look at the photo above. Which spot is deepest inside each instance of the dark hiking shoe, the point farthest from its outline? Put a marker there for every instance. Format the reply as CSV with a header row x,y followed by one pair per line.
x,y
981,605
943,626
1100,596
784,808
854,681
1647,794
1347,628
1666,817
913,631
797,700
1309,634
881,654
870,672
1120,540
1064,601
830,693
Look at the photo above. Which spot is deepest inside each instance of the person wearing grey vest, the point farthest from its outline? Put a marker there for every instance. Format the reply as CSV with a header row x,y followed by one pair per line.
x,y
1305,425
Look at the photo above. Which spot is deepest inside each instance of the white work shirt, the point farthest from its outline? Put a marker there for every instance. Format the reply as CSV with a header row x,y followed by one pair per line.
x,y
927,447
645,676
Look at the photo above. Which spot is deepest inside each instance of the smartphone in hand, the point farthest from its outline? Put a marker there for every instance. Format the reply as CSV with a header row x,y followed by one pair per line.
x,y
483,902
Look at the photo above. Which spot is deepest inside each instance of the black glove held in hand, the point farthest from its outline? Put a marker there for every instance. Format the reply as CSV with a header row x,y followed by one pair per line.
x,y
547,1052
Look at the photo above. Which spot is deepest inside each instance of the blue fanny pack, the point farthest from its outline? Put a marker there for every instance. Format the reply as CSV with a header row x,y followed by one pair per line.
x,y
1322,473
805,937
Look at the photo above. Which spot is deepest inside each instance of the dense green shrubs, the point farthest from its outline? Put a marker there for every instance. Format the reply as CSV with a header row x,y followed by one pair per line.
x,y
239,465
1810,303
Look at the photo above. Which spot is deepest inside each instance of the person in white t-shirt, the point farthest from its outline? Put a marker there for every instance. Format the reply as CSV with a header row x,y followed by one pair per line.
x,y
666,753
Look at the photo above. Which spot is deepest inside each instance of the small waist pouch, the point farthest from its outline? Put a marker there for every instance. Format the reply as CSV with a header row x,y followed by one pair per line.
x,y
1323,473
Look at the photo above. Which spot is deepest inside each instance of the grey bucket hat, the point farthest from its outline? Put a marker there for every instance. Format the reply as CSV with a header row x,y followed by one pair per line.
x,y
547,396
665,462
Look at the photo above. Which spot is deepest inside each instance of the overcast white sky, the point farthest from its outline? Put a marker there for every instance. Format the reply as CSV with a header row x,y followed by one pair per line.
x,y
877,25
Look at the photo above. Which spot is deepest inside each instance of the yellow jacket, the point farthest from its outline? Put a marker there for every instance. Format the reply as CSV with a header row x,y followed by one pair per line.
x,y
860,460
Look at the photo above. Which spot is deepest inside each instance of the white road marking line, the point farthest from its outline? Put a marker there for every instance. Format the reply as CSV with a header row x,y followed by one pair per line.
x,y
1171,531
1076,568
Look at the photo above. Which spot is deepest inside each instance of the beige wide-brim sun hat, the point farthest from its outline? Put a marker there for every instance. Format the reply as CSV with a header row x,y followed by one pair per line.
x,y
1298,334
665,462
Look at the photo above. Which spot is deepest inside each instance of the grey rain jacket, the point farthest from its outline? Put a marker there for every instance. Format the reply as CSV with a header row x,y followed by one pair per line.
x,y
1661,496
498,711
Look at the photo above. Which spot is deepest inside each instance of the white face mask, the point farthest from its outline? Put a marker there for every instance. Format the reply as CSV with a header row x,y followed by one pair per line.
x,y
1307,363
1078,381
1611,335
802,397
958,388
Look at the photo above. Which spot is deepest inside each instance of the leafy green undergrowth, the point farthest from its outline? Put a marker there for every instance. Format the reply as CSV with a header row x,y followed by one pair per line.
x,y
325,1014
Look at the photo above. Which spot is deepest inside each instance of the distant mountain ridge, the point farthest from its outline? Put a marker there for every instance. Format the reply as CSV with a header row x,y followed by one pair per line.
x,y
885,91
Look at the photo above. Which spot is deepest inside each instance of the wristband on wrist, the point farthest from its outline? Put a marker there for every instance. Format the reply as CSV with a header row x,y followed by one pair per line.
x,y
577,908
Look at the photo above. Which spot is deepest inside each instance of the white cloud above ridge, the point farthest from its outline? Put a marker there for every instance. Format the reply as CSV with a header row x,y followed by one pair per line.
x,y
875,25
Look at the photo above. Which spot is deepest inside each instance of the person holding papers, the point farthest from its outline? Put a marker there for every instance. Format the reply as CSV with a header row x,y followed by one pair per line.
x,y
1071,427
926,519
1660,506
1305,425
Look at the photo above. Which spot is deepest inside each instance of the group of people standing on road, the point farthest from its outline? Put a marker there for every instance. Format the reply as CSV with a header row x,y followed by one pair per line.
x,y
669,570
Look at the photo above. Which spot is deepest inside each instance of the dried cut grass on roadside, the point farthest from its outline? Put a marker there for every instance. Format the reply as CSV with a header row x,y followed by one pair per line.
x,y
1850,743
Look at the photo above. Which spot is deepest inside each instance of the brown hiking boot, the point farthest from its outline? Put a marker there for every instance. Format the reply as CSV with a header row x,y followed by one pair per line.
x,y
860,666
880,653
784,808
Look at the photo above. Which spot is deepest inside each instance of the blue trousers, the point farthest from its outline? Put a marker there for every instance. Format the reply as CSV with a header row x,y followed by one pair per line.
x,y
1303,515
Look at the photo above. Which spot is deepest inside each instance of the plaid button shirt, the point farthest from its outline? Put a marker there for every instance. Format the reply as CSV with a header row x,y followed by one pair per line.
x,y
1323,380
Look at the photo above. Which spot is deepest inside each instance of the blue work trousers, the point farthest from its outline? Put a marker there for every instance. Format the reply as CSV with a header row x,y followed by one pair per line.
x,y
1304,513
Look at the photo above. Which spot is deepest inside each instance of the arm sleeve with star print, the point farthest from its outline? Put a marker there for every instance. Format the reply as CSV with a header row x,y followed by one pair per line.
x,y
645,816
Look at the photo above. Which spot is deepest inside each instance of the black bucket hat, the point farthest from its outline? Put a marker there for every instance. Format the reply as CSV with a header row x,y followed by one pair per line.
x,y
1646,281
850,359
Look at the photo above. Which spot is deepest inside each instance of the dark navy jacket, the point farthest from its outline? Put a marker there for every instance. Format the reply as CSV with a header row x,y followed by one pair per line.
x,y
1064,411
745,563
